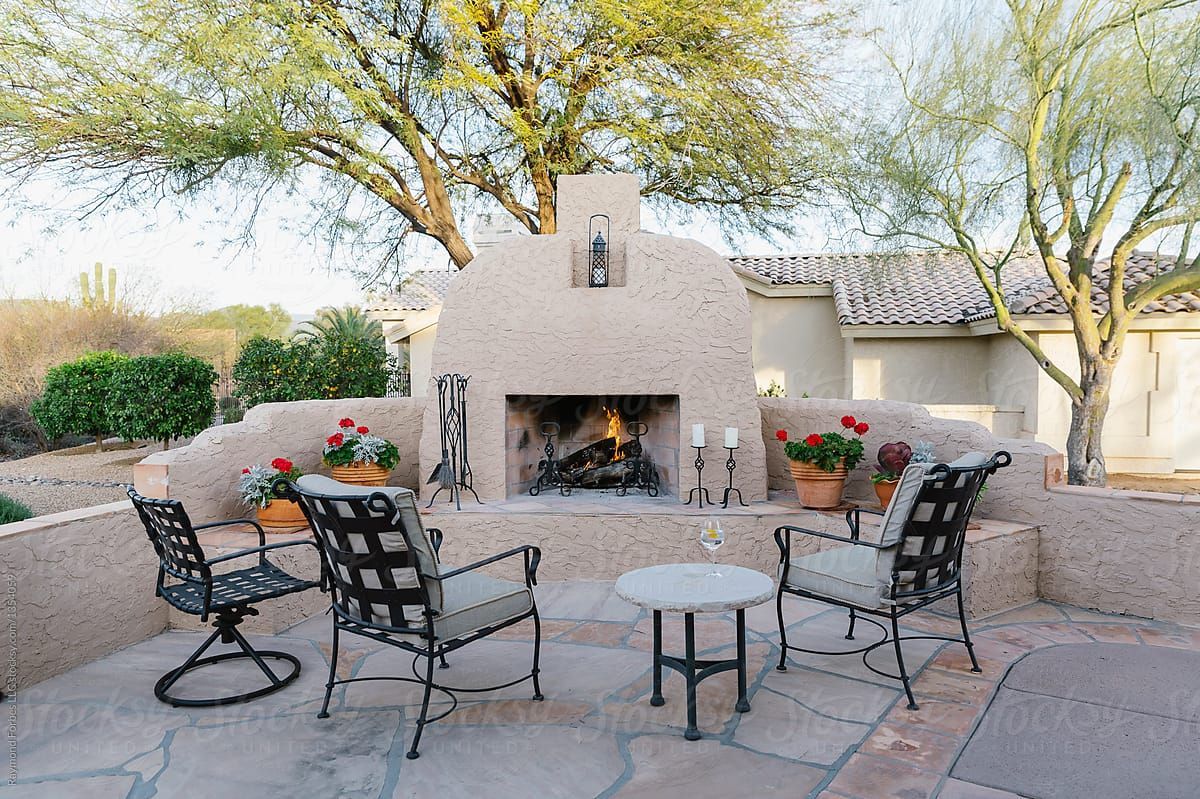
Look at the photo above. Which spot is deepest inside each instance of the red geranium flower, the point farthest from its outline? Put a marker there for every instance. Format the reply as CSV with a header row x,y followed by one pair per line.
x,y
814,440
335,440
362,430
861,428
849,421
246,470
781,435
347,422
281,465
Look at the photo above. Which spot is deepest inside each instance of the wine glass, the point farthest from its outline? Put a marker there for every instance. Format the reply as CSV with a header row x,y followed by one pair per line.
x,y
711,538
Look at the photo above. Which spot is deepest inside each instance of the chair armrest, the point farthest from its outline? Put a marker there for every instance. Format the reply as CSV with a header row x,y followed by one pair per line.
x,y
262,538
783,538
533,556
435,538
854,519
262,550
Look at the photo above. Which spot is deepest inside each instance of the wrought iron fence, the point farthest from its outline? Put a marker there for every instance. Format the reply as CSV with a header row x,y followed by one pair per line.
x,y
399,383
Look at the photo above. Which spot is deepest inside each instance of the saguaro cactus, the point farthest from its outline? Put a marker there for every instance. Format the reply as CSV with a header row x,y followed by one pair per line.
x,y
99,297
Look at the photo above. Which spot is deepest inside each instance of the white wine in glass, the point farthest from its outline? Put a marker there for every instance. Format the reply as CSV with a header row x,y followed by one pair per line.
x,y
711,538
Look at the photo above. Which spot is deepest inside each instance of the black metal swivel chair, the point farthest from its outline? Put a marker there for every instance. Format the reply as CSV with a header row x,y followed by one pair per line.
x,y
382,564
187,582
916,561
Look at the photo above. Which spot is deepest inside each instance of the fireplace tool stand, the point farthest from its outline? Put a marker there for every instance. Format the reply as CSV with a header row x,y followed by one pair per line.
x,y
454,472
639,472
730,465
548,474
700,493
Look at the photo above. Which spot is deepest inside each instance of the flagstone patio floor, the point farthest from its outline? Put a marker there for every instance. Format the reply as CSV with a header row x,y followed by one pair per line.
x,y
1068,725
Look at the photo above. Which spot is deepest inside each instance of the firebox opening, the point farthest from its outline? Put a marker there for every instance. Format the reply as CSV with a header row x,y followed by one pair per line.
x,y
600,442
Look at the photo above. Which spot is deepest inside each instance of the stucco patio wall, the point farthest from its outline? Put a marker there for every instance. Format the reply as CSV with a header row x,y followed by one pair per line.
x,y
1134,552
204,474
77,585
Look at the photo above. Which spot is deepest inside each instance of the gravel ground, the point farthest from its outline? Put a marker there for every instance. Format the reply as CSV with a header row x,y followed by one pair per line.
x,y
1178,483
69,479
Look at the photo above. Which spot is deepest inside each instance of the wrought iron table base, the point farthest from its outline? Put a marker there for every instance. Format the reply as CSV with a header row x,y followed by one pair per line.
x,y
696,671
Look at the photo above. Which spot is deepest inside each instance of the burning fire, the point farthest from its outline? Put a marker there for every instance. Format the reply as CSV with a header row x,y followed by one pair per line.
x,y
614,430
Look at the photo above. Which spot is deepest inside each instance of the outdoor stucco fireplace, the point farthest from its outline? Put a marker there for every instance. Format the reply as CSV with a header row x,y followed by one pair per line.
x,y
666,343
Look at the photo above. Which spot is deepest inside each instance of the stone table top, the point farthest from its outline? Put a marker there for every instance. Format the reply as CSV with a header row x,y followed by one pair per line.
x,y
688,588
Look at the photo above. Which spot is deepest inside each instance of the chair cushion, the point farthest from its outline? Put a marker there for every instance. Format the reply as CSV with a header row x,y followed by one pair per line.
x,y
405,503
846,573
891,527
472,601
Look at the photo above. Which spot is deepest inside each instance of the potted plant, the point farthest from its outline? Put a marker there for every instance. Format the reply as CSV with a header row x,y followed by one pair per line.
x,y
821,462
358,457
890,464
892,461
257,487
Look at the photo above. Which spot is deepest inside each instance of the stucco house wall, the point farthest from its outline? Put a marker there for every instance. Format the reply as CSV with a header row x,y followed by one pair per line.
x,y
940,370
797,343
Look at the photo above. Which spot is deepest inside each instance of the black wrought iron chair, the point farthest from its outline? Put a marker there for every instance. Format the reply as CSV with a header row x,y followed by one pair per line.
x,y
916,561
387,585
194,588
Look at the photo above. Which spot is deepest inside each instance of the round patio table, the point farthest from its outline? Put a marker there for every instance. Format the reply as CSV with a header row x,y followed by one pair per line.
x,y
688,588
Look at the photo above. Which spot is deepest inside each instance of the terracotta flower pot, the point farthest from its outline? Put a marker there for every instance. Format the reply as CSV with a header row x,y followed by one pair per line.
x,y
817,488
281,514
884,490
362,474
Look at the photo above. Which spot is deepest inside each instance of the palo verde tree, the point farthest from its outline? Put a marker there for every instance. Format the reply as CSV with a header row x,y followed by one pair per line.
x,y
417,109
1067,129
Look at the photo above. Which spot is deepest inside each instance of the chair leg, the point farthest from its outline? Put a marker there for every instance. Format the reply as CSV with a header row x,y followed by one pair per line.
x,y
187,664
537,656
413,754
783,646
850,632
249,650
442,664
962,619
912,703
333,658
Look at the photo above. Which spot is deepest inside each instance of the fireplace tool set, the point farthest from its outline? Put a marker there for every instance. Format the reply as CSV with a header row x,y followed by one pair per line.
x,y
454,471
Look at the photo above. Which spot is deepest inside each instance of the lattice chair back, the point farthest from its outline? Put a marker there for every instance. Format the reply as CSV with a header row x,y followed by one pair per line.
x,y
375,548
927,522
170,531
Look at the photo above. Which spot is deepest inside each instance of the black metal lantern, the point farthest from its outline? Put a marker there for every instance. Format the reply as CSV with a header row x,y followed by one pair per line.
x,y
598,254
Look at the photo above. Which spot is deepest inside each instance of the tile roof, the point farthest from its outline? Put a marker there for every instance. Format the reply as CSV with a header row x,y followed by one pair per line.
x,y
940,287
421,290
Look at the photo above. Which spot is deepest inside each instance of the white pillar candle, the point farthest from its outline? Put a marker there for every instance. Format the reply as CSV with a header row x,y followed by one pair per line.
x,y
730,437
697,435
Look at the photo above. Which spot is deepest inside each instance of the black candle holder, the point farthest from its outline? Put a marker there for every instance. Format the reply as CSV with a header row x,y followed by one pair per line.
x,y
700,493
731,464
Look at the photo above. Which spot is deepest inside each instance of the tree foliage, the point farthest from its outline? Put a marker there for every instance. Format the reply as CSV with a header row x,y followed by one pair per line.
x,y
75,397
161,397
347,323
270,370
1068,129
247,321
418,110
332,365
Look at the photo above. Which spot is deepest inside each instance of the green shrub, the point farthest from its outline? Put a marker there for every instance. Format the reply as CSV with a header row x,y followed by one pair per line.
x,y
75,397
350,366
270,370
233,415
333,365
161,397
13,511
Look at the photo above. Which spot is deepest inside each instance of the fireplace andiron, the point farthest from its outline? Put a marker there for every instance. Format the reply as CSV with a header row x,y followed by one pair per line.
x,y
699,492
548,474
731,464
639,471
454,472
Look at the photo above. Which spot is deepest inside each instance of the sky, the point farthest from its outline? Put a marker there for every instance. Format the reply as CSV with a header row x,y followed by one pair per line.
x,y
173,260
